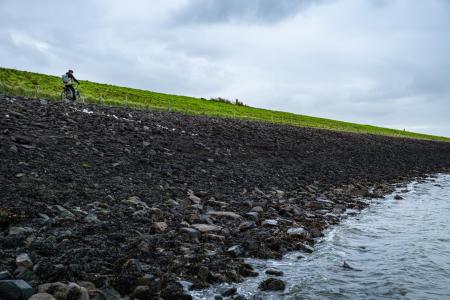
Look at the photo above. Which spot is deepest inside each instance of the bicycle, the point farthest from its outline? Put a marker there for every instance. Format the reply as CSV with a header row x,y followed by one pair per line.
x,y
66,94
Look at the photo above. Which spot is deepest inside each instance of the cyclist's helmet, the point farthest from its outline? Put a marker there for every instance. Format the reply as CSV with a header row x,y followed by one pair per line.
x,y
70,71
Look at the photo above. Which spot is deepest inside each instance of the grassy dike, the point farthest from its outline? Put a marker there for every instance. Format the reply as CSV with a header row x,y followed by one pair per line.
x,y
23,83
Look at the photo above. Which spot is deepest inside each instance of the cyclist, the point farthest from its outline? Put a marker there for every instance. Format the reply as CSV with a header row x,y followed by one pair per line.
x,y
68,79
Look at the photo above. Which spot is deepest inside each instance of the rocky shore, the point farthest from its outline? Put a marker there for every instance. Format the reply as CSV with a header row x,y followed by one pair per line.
x,y
104,203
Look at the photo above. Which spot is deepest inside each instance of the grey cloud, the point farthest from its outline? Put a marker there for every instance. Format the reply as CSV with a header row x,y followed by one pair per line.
x,y
248,11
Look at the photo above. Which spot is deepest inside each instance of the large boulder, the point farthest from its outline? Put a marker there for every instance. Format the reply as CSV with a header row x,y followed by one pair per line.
x,y
15,290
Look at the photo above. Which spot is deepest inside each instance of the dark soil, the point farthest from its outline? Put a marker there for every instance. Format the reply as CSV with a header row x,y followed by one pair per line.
x,y
124,198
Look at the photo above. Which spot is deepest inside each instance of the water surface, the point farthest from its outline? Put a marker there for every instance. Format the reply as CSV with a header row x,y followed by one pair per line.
x,y
399,249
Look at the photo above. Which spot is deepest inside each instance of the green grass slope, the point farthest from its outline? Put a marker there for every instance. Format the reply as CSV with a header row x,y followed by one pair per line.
x,y
22,83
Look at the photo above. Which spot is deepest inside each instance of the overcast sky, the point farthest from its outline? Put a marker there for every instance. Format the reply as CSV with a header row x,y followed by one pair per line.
x,y
380,62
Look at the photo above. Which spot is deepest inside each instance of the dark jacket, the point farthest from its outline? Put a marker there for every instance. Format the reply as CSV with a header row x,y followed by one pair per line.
x,y
72,77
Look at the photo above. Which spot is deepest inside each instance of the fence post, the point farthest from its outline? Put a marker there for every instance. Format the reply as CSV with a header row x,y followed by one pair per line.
x,y
170,105
126,100
234,113
36,92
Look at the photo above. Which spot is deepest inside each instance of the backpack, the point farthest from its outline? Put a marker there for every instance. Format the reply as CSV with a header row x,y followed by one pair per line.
x,y
66,79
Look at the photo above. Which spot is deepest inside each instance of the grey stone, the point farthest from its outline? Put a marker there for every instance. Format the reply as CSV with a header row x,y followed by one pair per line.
x,y
235,251
195,199
258,209
42,296
297,231
205,228
91,218
252,215
247,225
59,290
269,222
227,214
15,290
24,260
16,230
64,213
159,227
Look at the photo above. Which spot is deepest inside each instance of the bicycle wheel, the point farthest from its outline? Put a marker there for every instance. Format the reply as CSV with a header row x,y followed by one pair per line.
x,y
64,94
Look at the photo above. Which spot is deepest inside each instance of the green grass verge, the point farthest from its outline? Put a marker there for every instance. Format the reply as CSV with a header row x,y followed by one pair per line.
x,y
22,83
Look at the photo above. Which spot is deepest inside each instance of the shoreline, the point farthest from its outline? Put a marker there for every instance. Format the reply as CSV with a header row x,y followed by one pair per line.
x,y
132,202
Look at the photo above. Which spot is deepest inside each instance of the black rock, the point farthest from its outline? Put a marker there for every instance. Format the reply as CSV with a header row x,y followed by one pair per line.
x,y
227,292
272,284
274,272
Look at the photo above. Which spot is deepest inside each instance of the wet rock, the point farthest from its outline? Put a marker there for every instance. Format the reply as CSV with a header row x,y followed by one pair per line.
x,y
270,223
306,248
228,291
15,290
175,291
297,231
272,284
347,266
274,272
246,270
218,297
398,197
235,251
42,296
